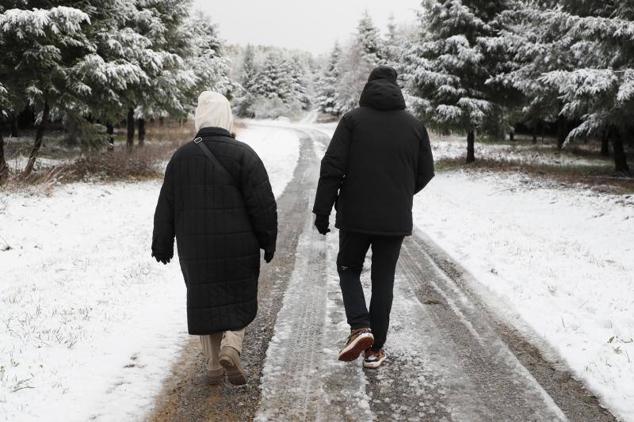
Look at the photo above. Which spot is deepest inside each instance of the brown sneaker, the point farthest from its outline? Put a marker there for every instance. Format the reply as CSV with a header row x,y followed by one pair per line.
x,y
230,360
358,341
215,376
373,358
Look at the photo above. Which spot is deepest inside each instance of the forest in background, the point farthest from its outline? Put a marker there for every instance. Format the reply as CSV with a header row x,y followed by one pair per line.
x,y
562,68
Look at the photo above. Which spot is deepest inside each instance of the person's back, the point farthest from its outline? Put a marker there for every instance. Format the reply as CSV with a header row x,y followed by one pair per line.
x,y
217,201
378,159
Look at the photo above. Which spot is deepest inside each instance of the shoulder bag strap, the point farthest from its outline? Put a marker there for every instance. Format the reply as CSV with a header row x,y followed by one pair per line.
x,y
205,149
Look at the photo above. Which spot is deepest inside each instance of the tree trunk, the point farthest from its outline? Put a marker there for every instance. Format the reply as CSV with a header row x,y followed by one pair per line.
x,y
562,132
4,170
512,135
534,133
605,143
620,158
141,132
14,126
110,132
39,136
130,122
470,147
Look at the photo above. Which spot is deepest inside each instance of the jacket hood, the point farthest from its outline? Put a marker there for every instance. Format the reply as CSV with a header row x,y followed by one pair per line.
x,y
382,92
213,110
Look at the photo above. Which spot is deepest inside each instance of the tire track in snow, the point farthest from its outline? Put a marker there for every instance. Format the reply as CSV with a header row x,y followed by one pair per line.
x,y
446,350
302,380
563,392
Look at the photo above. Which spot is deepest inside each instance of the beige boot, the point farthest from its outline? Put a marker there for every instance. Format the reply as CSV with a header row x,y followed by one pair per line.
x,y
230,360
215,376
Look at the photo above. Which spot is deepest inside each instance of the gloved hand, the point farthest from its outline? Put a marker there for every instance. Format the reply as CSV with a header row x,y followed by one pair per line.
x,y
164,259
268,256
322,223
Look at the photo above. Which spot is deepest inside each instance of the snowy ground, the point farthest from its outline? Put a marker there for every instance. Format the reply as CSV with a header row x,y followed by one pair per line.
x,y
556,262
89,319
455,146
279,150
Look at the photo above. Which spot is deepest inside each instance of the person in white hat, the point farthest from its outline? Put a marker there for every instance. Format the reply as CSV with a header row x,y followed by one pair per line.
x,y
216,200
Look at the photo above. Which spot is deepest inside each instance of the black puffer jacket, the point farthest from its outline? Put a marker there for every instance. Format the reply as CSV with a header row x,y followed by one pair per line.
x,y
377,160
220,224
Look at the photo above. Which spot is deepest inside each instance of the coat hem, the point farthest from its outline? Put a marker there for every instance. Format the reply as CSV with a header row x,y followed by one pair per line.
x,y
221,328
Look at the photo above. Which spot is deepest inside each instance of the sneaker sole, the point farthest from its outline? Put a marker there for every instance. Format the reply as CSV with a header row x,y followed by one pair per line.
x,y
359,345
234,373
373,365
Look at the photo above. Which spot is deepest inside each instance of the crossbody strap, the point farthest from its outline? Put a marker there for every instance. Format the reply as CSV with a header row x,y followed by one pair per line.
x,y
205,149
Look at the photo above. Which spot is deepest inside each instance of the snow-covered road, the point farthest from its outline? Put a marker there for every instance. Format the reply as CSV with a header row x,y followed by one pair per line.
x,y
448,358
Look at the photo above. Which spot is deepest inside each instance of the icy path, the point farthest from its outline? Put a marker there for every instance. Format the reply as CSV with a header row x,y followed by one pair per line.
x,y
90,322
448,360
300,380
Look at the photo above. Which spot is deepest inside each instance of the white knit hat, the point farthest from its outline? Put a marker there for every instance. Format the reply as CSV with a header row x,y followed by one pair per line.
x,y
213,110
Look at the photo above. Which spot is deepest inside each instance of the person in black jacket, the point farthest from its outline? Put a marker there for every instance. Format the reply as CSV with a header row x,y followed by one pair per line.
x,y
222,212
378,159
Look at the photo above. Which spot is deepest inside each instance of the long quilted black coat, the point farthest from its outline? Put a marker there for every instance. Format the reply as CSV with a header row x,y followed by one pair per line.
x,y
220,222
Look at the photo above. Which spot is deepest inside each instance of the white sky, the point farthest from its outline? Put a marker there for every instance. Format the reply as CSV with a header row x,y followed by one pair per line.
x,y
308,25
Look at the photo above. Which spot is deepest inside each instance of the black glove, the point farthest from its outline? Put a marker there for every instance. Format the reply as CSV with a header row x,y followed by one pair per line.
x,y
322,223
268,256
164,259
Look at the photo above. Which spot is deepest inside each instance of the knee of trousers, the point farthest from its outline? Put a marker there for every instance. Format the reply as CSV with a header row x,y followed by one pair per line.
x,y
348,269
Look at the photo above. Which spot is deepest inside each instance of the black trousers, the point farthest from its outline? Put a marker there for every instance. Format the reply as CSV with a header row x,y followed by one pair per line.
x,y
385,251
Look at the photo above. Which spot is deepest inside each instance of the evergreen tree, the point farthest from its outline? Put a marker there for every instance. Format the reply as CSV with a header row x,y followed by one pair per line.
x,y
451,68
369,40
298,83
164,23
40,49
360,58
327,96
205,57
248,79
271,81
597,85
393,44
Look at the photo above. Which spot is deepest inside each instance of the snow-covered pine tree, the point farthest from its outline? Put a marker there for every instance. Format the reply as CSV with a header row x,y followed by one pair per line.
x,y
171,81
205,57
270,79
43,46
392,44
249,69
113,69
369,38
599,89
451,67
247,80
327,96
298,81
361,56
530,50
